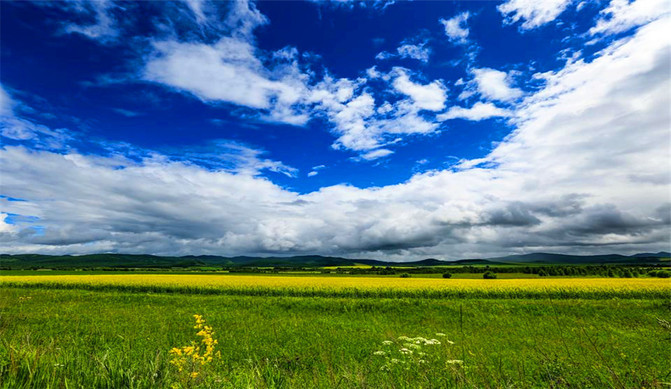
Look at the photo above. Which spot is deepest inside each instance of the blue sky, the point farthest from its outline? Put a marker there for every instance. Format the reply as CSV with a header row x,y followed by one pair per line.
x,y
378,129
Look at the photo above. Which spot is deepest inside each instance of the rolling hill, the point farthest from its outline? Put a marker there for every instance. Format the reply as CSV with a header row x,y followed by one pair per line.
x,y
37,261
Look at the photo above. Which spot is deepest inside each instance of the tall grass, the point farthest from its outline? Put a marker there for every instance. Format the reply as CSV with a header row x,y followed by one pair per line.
x,y
111,339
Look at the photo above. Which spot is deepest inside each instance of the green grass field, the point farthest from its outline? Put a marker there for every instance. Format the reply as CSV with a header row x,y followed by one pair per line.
x,y
76,338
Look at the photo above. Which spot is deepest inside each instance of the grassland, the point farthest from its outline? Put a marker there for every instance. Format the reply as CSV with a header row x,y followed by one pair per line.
x,y
115,331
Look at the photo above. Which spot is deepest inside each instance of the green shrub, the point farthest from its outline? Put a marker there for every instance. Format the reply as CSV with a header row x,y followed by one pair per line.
x,y
489,275
405,275
447,275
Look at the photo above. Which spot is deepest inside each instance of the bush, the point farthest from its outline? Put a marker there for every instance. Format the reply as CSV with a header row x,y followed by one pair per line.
x,y
489,275
542,273
447,275
405,275
664,274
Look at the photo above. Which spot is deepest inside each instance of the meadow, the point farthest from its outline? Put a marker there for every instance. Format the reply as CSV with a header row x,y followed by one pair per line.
x,y
123,330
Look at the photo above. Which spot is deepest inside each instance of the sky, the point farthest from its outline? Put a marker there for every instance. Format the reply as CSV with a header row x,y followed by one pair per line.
x,y
390,130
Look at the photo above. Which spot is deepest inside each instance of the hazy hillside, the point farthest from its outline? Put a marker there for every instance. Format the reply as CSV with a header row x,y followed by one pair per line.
x,y
152,261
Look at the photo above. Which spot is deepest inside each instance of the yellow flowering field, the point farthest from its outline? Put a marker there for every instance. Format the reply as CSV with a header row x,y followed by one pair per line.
x,y
352,286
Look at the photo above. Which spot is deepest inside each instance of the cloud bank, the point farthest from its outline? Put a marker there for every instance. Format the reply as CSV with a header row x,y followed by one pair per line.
x,y
586,170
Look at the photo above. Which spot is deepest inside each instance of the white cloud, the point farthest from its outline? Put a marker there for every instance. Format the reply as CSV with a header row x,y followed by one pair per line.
x,y
419,52
495,84
197,7
408,49
426,96
363,124
379,5
622,15
533,13
104,29
243,17
6,227
16,128
456,28
375,154
479,111
6,103
315,170
234,157
229,71
280,86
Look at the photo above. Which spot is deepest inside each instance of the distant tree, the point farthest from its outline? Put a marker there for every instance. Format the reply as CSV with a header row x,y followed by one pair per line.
x,y
663,274
447,275
405,275
543,273
489,275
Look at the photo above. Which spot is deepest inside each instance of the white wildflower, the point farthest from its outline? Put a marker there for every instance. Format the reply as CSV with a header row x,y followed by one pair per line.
x,y
454,362
387,342
379,353
440,334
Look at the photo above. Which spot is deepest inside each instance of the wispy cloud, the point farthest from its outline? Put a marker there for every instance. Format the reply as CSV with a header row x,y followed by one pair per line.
x,y
533,14
479,111
622,15
414,49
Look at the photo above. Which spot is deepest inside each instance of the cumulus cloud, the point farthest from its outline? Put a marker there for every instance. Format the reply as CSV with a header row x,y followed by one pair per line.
x,y
479,111
456,28
533,13
276,87
494,84
229,71
425,96
364,123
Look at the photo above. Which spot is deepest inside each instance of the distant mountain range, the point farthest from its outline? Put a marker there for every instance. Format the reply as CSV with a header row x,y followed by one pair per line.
x,y
153,261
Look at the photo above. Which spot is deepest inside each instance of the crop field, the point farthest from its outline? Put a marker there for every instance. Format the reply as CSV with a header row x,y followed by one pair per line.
x,y
353,286
244,331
